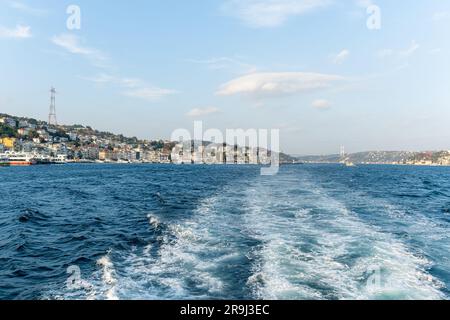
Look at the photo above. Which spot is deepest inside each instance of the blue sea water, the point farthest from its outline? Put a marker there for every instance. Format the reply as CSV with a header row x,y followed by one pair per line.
x,y
224,232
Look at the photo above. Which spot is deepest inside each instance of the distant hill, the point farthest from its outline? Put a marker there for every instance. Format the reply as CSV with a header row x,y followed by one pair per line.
x,y
380,157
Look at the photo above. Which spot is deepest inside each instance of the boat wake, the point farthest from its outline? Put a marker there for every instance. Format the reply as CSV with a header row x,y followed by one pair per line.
x,y
315,248
187,259
260,242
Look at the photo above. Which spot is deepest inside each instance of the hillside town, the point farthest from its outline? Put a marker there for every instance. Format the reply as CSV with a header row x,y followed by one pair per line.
x,y
28,141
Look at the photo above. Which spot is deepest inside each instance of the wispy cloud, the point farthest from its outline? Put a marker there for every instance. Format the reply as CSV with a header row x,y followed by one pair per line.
x,y
21,6
19,32
200,112
276,84
341,57
404,53
410,50
226,63
269,13
132,87
73,44
321,104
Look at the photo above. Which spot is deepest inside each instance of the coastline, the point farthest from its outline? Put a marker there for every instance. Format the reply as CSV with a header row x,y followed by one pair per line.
x,y
219,164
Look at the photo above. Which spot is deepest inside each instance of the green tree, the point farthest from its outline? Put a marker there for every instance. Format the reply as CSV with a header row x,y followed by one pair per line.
x,y
7,132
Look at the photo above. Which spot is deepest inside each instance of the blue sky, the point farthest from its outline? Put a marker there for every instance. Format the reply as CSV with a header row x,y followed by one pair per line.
x,y
311,68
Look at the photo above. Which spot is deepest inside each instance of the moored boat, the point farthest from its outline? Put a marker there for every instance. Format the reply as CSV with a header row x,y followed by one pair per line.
x,y
18,159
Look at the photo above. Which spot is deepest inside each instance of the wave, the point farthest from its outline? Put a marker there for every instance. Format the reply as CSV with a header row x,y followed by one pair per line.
x,y
108,276
326,252
184,261
283,237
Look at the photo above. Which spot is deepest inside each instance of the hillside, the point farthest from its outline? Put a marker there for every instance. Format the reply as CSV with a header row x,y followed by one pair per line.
x,y
383,157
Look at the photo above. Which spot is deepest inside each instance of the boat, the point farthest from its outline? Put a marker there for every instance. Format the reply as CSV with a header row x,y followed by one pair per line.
x,y
18,159
60,159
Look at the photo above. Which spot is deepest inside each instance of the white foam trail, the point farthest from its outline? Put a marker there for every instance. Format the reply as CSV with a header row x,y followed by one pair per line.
x,y
181,269
315,248
108,276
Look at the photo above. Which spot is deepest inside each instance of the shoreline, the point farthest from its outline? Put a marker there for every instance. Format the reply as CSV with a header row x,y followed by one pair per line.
x,y
220,164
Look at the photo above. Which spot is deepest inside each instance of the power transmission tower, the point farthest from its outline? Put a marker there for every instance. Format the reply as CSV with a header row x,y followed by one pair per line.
x,y
52,114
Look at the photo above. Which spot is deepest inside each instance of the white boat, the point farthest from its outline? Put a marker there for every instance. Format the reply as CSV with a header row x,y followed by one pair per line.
x,y
18,158
60,159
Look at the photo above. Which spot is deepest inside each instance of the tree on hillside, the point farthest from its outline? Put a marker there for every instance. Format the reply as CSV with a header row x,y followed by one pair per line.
x,y
7,132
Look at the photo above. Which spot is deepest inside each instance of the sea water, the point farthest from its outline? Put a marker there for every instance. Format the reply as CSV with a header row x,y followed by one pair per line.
x,y
224,232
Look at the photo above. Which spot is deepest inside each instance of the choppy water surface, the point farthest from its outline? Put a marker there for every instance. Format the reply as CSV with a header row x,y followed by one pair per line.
x,y
197,232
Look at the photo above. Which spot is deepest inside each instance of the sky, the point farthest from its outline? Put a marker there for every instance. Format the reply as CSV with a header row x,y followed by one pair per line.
x,y
369,75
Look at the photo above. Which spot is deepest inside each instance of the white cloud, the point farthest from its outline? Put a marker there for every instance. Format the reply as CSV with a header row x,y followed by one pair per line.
x,y
269,13
199,112
263,84
133,87
321,104
400,53
19,32
72,44
341,57
26,8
